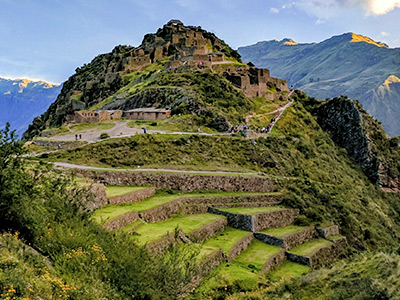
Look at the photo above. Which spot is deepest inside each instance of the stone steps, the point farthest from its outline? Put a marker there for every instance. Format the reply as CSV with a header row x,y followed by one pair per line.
x,y
318,252
256,219
287,237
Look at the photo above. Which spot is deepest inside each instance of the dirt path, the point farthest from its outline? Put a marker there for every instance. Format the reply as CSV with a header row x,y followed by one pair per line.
x,y
119,130
84,167
279,110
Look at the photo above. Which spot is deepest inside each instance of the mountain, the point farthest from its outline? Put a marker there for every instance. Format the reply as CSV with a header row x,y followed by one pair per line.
x,y
347,64
22,99
183,68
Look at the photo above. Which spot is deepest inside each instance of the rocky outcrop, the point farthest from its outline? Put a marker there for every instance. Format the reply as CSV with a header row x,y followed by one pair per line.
x,y
363,138
184,181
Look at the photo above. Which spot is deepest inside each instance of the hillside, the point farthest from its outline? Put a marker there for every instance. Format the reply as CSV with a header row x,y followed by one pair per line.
x,y
182,68
33,96
348,64
182,207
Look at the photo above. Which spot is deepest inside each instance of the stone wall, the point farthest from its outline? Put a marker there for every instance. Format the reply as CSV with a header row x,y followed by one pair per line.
x,y
274,261
202,234
121,221
59,145
161,212
328,231
172,239
240,246
184,181
322,256
92,196
290,240
275,218
239,221
134,196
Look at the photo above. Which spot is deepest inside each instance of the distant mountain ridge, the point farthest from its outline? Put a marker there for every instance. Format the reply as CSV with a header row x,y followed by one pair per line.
x,y
348,64
21,100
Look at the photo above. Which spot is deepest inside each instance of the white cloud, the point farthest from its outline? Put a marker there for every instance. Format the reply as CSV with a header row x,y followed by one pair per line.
x,y
383,33
320,21
274,10
328,8
381,7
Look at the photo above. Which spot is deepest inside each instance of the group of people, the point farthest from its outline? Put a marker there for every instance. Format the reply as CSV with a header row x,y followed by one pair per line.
x,y
78,136
243,128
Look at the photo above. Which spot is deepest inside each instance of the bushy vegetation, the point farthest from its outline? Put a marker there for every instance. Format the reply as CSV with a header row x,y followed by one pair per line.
x,y
41,207
365,276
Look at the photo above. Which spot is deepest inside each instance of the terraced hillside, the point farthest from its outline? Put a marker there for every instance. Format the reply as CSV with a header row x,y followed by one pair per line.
x,y
241,235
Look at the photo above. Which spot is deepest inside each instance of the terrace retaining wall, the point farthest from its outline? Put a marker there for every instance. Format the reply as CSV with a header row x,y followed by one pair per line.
x,y
322,256
134,196
171,239
184,181
274,261
328,231
275,218
239,221
202,234
121,221
94,196
240,246
290,240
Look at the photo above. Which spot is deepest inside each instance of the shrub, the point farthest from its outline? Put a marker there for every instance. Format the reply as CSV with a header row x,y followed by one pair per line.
x,y
104,135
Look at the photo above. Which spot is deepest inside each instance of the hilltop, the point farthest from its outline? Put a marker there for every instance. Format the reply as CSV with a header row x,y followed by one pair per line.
x,y
182,68
34,96
348,64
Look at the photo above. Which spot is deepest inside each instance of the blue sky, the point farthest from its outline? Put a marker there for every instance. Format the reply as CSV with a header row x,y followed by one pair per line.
x,y
48,39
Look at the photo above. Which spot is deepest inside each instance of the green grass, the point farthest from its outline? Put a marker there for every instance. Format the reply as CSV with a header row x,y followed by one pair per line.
x,y
257,254
88,126
225,241
150,232
112,211
252,210
115,191
83,182
281,232
310,247
287,271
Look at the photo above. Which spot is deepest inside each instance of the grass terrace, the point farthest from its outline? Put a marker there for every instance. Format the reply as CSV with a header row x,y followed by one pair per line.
x,y
150,232
281,232
310,247
287,271
115,190
256,255
110,212
225,241
252,210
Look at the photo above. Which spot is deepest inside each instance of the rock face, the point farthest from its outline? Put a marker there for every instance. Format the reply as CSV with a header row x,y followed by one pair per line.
x,y
347,64
353,129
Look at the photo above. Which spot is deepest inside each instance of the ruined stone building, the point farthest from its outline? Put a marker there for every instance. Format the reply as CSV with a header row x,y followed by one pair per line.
x,y
147,114
85,116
